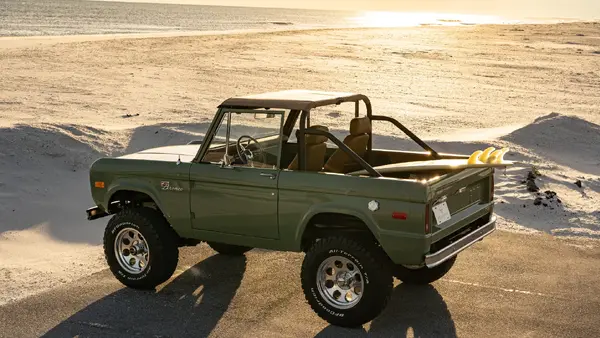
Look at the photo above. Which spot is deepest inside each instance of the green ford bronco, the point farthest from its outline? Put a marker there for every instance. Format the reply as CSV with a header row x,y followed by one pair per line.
x,y
264,177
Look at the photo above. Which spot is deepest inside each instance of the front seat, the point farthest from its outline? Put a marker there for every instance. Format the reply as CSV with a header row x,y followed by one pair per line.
x,y
360,129
315,151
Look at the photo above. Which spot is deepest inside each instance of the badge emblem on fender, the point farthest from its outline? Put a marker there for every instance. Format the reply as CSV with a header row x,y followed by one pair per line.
x,y
166,185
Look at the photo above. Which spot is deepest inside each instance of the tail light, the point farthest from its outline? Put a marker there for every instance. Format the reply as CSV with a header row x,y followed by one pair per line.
x,y
427,212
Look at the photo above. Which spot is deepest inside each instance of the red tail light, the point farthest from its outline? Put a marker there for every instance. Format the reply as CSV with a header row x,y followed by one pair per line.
x,y
427,212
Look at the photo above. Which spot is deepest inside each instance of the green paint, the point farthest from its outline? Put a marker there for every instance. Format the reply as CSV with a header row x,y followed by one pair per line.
x,y
271,208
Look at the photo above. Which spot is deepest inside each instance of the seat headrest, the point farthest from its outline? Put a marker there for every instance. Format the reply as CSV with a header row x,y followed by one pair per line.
x,y
360,125
314,139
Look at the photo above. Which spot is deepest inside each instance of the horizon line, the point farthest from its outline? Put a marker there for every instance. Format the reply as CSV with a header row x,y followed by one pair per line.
x,y
150,2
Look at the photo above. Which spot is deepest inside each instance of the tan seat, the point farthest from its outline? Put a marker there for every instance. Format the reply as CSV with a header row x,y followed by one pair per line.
x,y
339,162
315,151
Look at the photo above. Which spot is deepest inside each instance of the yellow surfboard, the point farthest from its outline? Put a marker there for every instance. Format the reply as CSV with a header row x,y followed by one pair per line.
x,y
488,158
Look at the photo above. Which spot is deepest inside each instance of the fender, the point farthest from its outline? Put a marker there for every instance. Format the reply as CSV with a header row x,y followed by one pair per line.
x,y
133,184
337,208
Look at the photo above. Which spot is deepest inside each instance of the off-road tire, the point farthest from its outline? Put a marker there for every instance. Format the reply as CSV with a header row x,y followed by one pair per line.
x,y
423,275
162,243
377,281
228,249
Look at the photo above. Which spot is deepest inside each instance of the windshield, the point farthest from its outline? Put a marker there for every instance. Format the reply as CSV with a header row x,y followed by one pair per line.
x,y
257,125
238,130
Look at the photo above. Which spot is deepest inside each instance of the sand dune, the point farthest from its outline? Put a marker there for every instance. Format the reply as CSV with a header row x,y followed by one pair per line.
x,y
566,150
567,140
46,241
64,105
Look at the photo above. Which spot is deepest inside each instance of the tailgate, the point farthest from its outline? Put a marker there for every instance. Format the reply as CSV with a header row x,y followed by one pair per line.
x,y
459,199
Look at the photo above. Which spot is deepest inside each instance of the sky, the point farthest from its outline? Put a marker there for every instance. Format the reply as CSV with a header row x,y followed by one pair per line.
x,y
582,9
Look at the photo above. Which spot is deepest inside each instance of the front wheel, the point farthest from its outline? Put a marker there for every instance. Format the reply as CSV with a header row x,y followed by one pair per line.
x,y
141,248
345,281
423,275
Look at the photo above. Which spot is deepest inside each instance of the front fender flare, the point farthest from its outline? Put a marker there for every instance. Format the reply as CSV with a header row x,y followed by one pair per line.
x,y
130,184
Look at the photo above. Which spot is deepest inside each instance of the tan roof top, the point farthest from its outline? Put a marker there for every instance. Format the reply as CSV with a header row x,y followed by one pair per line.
x,y
291,99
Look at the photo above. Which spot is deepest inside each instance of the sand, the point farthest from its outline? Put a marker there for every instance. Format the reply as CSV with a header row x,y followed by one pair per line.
x,y
64,101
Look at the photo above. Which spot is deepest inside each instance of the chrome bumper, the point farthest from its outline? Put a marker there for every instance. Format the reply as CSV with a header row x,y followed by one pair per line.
x,y
453,249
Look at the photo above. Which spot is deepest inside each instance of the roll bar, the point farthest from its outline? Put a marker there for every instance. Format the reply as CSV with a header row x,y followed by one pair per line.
x,y
345,148
406,131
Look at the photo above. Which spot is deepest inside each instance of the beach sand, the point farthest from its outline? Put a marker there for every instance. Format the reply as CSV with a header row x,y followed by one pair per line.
x,y
65,101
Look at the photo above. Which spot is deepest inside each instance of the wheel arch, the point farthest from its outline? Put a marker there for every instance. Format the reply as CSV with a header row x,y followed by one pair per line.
x,y
137,193
119,198
324,222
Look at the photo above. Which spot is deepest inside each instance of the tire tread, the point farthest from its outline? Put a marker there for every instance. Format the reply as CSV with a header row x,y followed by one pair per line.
x,y
164,237
372,255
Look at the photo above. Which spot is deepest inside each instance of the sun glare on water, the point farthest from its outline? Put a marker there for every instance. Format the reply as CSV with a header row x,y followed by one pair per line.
x,y
410,19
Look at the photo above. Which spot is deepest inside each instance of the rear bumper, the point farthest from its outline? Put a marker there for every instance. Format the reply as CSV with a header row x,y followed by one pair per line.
x,y
453,249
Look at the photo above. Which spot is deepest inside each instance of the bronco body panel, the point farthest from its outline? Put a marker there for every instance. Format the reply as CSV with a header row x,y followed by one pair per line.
x,y
271,207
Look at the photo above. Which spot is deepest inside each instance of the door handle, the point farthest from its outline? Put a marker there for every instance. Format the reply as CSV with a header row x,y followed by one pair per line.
x,y
271,176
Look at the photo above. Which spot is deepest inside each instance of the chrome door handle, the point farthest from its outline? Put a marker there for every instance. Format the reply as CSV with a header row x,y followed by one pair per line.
x,y
271,176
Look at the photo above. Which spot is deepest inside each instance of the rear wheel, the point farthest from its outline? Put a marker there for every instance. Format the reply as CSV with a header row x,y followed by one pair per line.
x,y
345,281
141,248
228,249
423,275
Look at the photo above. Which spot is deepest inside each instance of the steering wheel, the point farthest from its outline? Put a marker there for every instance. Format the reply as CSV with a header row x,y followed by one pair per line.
x,y
244,153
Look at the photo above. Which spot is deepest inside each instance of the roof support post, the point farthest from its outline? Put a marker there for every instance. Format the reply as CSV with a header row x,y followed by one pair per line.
x,y
369,115
301,142
210,133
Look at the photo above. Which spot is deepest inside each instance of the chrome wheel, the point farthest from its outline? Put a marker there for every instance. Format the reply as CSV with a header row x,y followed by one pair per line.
x,y
340,282
132,251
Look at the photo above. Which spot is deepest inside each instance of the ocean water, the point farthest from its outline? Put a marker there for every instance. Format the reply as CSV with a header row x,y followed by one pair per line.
x,y
75,17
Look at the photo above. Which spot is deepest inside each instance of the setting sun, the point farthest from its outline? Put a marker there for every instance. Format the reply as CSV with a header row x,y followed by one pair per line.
x,y
511,9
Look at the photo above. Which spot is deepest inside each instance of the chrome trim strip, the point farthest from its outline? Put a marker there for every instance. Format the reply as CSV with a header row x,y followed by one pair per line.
x,y
453,249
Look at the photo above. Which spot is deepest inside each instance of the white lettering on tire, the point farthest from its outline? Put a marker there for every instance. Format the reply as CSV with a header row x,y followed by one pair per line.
x,y
337,314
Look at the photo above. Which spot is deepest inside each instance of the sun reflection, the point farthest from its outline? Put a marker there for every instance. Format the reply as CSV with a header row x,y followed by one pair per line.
x,y
409,19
